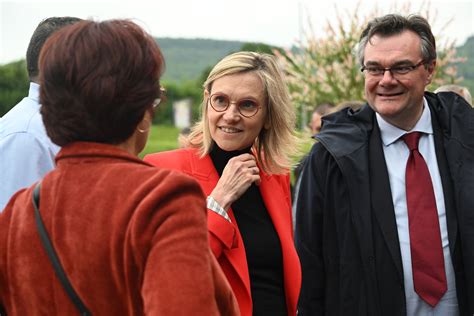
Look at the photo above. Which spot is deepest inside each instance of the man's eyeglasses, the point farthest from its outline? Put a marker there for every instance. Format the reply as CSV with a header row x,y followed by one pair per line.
x,y
246,107
396,72
161,98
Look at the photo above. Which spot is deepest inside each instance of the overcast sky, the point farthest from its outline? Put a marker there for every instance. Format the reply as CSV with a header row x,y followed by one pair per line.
x,y
277,22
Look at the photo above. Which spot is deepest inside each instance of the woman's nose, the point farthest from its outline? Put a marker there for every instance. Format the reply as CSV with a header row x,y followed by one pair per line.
x,y
232,112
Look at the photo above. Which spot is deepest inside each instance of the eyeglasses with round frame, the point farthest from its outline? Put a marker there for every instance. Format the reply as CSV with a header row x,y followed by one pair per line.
x,y
396,71
247,107
161,98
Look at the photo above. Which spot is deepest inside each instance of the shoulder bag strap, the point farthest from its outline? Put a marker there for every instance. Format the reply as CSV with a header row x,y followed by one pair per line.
x,y
53,257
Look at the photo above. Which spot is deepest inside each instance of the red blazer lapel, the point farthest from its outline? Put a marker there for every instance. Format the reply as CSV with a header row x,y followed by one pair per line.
x,y
205,173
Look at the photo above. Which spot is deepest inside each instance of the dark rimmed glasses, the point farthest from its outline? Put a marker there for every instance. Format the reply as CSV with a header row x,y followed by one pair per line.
x,y
220,102
161,98
396,71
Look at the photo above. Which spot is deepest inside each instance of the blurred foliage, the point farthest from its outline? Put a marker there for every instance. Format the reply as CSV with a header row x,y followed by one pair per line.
x,y
325,68
466,69
175,92
14,85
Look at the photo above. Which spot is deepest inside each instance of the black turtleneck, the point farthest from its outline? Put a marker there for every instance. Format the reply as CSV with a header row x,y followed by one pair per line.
x,y
262,245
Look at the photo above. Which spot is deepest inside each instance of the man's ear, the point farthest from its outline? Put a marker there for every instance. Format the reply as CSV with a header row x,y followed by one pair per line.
x,y
431,71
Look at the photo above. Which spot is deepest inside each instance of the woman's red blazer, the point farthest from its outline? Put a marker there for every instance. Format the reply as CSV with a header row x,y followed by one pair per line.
x,y
225,239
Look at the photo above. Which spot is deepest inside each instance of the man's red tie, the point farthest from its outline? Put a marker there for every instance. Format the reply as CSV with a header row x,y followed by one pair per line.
x,y
429,277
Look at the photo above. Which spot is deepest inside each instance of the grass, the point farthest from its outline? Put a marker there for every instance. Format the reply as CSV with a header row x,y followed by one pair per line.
x,y
162,137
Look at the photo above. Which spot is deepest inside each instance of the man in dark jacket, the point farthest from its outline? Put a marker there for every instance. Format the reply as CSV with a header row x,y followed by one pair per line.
x,y
356,232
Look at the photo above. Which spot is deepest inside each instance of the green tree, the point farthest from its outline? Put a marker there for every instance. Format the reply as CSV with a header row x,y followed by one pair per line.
x,y
14,85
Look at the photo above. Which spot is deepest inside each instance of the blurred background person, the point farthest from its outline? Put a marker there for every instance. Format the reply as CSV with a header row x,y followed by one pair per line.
x,y
128,245
26,152
353,104
240,154
318,113
460,90
315,126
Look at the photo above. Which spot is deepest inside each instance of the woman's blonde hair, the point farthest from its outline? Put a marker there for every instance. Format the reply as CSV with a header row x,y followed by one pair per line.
x,y
277,141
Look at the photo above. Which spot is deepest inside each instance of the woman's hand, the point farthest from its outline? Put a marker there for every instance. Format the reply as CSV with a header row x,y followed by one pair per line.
x,y
239,173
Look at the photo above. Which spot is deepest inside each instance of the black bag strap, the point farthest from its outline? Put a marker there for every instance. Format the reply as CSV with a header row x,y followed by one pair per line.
x,y
53,257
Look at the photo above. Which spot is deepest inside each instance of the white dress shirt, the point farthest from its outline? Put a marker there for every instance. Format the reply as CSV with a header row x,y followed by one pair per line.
x,y
396,155
26,152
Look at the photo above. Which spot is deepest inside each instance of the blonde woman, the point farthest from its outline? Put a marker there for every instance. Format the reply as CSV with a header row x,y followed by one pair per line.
x,y
239,153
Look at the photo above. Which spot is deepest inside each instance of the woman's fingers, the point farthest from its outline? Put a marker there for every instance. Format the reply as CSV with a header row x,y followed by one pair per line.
x,y
238,175
245,164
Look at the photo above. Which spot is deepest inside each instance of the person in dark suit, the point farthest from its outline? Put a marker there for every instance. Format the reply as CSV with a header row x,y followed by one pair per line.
x,y
132,239
240,154
375,236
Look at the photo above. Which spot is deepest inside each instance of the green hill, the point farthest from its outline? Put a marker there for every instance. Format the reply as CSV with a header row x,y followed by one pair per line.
x,y
186,59
466,69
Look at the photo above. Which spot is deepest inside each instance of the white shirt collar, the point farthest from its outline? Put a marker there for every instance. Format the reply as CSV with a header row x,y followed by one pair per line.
x,y
33,93
391,134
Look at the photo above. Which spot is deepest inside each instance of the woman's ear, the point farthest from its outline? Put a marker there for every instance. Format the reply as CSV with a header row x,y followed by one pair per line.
x,y
267,124
145,124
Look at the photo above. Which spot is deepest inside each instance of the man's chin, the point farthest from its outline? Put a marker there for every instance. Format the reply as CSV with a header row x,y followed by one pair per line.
x,y
388,108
